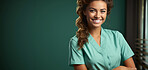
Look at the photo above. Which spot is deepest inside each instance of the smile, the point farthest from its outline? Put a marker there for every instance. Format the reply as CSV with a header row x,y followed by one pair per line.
x,y
97,21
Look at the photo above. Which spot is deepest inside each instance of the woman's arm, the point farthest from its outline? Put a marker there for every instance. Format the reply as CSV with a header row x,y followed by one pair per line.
x,y
79,67
129,65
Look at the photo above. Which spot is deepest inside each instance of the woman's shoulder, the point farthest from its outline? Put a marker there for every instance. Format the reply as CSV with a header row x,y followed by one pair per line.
x,y
112,32
73,42
74,38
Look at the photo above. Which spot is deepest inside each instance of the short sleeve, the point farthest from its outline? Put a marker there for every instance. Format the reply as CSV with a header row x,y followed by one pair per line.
x,y
75,55
126,51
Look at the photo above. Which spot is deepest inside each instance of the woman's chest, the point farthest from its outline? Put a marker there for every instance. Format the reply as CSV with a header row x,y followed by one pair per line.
x,y
108,55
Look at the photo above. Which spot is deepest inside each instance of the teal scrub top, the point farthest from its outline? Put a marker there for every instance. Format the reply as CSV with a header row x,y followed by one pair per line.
x,y
111,53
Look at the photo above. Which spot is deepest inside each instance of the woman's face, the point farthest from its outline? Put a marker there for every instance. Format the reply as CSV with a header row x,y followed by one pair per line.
x,y
96,13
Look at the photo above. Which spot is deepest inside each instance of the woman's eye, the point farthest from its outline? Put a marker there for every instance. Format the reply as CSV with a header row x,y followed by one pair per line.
x,y
103,11
92,10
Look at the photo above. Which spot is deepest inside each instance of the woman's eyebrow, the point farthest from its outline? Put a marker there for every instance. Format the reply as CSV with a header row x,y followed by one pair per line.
x,y
91,8
103,9
95,8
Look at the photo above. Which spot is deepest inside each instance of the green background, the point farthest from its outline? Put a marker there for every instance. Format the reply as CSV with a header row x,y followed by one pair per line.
x,y
35,33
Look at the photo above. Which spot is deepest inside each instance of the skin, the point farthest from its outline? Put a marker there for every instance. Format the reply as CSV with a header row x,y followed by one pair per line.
x,y
97,10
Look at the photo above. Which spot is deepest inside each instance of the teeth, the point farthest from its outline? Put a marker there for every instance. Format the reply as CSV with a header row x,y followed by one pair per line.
x,y
97,21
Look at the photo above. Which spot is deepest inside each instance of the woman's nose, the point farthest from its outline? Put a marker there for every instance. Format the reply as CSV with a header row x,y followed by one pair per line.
x,y
97,15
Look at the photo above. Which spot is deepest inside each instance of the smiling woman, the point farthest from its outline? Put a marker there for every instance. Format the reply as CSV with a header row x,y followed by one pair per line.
x,y
96,48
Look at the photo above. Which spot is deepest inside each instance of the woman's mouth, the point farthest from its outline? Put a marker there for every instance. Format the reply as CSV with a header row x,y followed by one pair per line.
x,y
97,21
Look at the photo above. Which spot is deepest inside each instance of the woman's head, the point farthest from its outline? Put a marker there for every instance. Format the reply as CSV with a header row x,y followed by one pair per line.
x,y
95,14
92,13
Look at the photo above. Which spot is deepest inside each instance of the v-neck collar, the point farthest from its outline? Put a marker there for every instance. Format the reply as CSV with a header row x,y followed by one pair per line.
x,y
92,41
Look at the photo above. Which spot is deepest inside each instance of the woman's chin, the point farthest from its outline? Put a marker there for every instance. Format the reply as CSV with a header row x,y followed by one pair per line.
x,y
97,24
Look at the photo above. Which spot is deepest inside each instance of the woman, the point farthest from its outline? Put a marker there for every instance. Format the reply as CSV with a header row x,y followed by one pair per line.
x,y
95,48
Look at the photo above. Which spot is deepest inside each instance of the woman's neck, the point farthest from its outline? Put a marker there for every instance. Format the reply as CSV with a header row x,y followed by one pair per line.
x,y
95,32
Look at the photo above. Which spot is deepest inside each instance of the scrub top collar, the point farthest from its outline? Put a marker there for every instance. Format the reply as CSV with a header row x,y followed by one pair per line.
x,y
92,41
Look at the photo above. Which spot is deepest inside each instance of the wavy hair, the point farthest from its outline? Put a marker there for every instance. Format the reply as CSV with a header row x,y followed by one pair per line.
x,y
81,22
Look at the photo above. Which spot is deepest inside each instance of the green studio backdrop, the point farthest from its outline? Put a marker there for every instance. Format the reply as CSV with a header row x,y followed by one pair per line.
x,y
35,34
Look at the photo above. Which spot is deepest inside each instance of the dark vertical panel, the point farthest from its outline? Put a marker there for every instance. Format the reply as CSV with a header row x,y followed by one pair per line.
x,y
131,21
